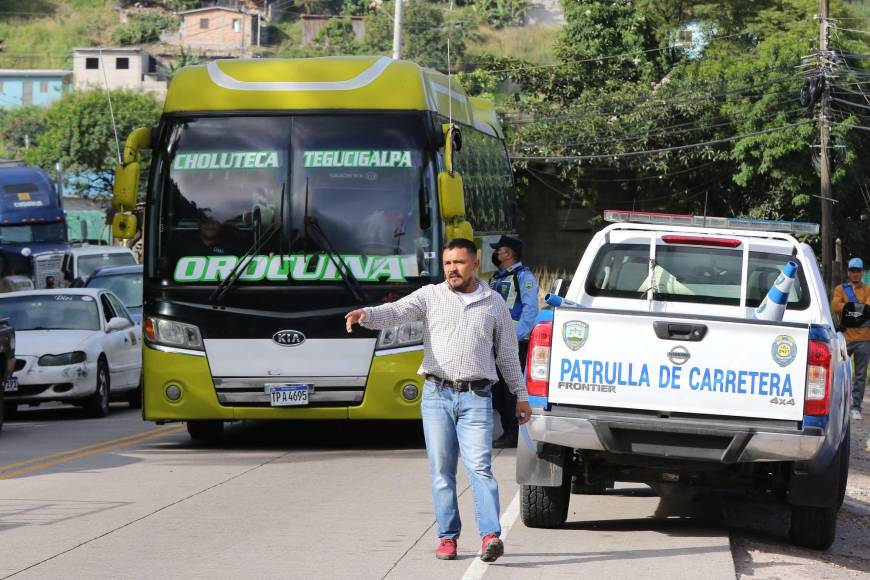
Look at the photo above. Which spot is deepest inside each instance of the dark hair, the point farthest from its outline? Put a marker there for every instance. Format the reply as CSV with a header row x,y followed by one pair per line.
x,y
462,243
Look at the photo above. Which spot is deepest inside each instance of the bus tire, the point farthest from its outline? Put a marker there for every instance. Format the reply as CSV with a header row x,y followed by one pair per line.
x,y
544,507
205,430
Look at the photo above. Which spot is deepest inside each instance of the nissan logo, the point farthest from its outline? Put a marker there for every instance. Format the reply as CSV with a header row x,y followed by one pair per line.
x,y
288,337
679,355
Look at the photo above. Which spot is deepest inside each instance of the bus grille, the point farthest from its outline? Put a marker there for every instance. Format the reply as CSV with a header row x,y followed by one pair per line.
x,y
323,391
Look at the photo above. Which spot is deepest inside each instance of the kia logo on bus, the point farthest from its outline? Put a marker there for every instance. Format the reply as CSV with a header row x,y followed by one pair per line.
x,y
288,337
679,355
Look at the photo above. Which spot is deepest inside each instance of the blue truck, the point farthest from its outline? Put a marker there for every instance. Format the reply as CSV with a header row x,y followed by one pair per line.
x,y
33,229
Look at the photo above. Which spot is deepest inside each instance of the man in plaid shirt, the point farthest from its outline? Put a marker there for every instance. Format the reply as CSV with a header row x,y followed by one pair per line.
x,y
468,330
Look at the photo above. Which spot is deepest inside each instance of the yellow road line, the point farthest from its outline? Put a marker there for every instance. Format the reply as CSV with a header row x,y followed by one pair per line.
x,y
72,454
77,449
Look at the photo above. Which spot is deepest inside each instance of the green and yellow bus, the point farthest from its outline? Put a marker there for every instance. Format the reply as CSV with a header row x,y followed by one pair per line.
x,y
282,194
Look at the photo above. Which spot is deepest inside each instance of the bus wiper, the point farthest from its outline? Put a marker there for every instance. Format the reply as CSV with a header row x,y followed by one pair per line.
x,y
311,224
259,242
230,281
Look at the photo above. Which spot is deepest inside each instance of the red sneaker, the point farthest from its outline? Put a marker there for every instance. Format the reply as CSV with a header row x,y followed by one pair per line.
x,y
492,548
446,549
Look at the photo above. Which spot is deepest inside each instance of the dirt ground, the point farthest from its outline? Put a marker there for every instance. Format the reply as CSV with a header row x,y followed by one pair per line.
x,y
759,533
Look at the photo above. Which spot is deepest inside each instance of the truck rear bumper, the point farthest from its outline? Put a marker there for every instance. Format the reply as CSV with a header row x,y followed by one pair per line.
x,y
693,439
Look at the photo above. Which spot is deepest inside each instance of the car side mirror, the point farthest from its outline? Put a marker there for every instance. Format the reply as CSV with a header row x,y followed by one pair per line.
x,y
118,323
559,287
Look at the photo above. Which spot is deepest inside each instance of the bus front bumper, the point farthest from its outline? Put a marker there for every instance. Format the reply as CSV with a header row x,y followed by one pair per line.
x,y
189,375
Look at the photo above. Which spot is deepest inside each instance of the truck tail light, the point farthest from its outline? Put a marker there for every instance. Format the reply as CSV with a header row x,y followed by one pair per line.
x,y
818,398
538,359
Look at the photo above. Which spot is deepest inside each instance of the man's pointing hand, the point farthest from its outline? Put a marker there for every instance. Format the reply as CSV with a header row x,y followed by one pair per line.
x,y
354,317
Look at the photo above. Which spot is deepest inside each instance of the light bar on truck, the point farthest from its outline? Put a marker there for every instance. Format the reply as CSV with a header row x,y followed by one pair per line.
x,y
675,219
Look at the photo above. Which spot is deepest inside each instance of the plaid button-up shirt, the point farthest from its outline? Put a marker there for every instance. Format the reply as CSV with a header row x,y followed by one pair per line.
x,y
460,342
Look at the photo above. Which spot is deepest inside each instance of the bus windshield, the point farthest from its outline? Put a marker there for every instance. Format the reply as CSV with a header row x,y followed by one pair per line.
x,y
304,187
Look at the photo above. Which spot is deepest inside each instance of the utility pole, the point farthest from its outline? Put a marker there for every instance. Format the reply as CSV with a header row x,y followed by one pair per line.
x,y
397,30
824,139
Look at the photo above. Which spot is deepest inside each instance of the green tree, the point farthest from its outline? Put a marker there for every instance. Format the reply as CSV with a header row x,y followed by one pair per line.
x,y
78,133
20,129
144,27
338,38
623,89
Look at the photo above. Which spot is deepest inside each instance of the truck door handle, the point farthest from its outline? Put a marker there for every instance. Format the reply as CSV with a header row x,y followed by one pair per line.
x,y
680,331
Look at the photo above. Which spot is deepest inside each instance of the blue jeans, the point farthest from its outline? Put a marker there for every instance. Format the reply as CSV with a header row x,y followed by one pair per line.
x,y
455,423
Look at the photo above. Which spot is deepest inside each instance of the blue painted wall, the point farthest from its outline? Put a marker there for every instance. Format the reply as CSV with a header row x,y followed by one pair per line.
x,y
13,90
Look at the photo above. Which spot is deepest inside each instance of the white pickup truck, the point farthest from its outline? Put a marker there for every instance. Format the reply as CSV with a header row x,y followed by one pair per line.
x,y
653,368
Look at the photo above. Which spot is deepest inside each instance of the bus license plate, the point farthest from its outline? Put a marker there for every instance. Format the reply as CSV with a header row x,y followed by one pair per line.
x,y
10,385
284,395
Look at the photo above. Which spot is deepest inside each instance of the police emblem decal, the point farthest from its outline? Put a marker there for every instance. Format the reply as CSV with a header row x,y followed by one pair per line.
x,y
784,350
575,333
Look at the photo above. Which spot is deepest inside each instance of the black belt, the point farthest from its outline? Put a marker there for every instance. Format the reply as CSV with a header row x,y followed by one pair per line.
x,y
459,386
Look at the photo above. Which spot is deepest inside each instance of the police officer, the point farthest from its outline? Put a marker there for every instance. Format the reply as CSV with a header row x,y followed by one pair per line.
x,y
857,338
518,286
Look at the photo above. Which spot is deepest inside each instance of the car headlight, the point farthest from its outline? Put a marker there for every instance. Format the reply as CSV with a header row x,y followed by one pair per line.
x,y
410,334
57,360
172,333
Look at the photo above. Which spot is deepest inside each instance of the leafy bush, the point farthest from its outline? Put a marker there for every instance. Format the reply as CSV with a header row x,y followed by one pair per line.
x,y
500,13
337,38
143,28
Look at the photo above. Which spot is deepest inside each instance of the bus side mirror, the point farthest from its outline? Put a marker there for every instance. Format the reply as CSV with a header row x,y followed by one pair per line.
x,y
460,229
126,186
451,197
125,189
124,226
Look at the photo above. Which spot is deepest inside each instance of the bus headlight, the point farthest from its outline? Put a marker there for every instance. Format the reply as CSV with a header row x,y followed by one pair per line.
x,y
172,333
410,334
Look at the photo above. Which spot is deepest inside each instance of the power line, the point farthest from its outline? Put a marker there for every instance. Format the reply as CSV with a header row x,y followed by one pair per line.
x,y
666,130
553,158
659,103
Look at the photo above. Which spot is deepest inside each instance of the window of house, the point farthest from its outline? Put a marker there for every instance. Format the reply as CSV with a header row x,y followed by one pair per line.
x,y
92,63
237,25
43,86
122,63
203,23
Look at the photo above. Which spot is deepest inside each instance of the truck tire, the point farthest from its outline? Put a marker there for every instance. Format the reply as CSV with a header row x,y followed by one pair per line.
x,y
544,507
845,455
816,527
813,527
205,430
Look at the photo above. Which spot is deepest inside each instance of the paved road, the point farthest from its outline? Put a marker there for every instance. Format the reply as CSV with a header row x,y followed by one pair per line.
x,y
120,498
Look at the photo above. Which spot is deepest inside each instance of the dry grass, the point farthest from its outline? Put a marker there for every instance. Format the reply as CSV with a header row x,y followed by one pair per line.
x,y
545,277
530,43
42,33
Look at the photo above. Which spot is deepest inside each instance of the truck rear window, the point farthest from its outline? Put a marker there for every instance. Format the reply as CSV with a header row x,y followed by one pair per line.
x,y
689,274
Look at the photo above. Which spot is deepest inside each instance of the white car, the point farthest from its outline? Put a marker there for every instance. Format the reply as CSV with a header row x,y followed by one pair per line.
x,y
82,261
74,345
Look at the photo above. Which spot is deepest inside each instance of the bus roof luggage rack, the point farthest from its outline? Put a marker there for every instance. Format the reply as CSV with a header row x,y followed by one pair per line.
x,y
673,219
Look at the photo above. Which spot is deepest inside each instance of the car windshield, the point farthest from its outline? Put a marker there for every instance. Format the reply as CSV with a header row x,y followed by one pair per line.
x,y
356,185
88,264
127,287
26,234
51,312
690,274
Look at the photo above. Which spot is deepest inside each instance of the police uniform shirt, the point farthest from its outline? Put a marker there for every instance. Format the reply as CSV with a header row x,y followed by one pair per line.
x,y
522,302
